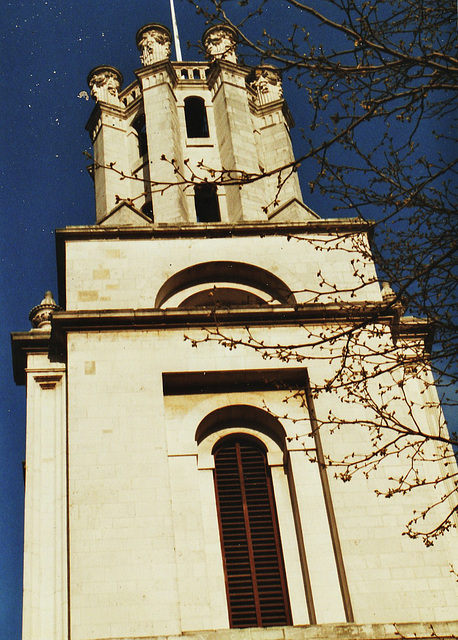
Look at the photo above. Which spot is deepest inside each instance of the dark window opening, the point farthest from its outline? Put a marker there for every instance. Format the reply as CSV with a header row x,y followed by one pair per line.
x,y
253,561
147,209
223,297
196,117
206,203
139,125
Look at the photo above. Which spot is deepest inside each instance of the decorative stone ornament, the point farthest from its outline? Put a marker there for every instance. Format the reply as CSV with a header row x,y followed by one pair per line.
x,y
154,42
220,43
41,315
387,292
266,80
105,83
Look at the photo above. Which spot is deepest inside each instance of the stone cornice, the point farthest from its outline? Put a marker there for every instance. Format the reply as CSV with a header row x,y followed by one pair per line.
x,y
216,230
154,69
104,108
23,343
330,631
140,319
275,315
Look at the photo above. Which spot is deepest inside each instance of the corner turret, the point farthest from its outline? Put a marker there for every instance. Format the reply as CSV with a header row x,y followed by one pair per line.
x,y
177,143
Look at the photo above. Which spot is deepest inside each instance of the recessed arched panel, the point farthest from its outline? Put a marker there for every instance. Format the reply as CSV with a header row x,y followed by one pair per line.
x,y
239,416
227,272
222,297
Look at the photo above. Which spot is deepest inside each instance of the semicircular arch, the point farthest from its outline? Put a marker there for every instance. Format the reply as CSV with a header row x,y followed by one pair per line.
x,y
245,417
221,271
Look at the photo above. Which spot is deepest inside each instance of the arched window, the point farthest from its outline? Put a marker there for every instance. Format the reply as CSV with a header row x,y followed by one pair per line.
x,y
139,124
206,203
253,561
196,117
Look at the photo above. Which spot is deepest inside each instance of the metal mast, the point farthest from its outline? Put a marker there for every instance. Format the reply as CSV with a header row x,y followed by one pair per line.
x,y
175,32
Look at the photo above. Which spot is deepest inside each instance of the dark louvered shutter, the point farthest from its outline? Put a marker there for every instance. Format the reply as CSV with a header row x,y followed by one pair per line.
x,y
253,561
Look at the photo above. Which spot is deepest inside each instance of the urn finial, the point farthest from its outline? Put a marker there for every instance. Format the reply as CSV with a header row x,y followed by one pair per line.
x,y
387,292
154,42
105,83
220,43
266,80
41,315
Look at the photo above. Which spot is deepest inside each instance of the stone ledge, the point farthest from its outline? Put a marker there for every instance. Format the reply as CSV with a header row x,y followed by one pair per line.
x,y
340,631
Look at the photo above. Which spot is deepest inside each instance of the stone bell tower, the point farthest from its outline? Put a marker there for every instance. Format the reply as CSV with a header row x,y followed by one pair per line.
x,y
168,491
192,116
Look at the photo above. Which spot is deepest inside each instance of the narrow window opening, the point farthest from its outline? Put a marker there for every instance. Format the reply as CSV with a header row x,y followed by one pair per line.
x,y
206,203
147,209
196,117
139,125
196,74
252,556
184,74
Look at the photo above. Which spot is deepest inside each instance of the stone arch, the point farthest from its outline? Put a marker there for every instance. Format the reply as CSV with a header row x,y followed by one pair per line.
x,y
243,446
262,284
242,418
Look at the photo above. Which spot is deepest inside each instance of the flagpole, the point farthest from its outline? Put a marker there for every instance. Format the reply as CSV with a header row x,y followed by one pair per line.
x,y
175,32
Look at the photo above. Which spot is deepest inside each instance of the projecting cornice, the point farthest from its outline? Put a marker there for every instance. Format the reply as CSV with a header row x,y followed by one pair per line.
x,y
216,230
63,322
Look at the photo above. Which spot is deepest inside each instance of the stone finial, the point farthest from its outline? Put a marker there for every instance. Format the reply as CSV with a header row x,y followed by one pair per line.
x,y
387,292
41,315
220,43
266,80
154,42
105,83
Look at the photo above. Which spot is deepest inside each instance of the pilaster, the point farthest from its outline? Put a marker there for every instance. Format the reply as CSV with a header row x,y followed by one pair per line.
x,y
108,131
164,143
45,606
237,147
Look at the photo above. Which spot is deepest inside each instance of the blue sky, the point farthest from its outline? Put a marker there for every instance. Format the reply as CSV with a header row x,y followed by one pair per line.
x,y
47,50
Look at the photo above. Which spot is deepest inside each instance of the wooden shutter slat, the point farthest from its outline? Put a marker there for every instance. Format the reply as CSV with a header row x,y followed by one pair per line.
x,y
253,561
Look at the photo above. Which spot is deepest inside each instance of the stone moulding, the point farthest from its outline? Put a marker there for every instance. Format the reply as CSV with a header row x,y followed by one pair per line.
x,y
141,319
342,631
48,380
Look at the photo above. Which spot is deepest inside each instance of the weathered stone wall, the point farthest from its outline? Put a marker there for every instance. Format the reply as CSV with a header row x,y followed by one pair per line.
x,y
144,547
123,273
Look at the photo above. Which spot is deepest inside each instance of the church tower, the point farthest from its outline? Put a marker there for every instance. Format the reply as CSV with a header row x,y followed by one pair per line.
x,y
175,476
